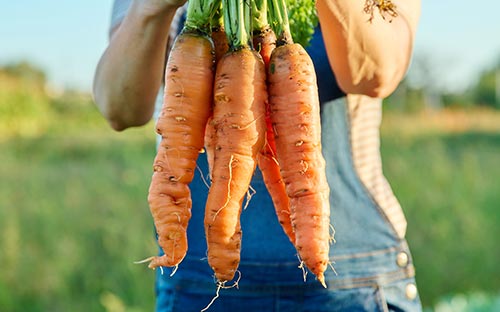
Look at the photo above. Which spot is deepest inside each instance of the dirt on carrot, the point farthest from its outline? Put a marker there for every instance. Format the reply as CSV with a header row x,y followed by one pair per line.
x,y
181,124
295,119
238,121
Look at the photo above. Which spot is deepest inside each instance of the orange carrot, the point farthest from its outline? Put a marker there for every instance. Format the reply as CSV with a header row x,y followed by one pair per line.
x,y
220,42
181,124
221,47
218,32
295,116
264,41
238,123
210,145
275,185
239,95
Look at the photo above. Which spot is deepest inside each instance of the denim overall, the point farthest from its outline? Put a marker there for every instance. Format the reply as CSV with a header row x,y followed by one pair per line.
x,y
372,267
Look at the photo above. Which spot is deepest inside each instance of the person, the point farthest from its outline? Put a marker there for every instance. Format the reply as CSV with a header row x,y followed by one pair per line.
x,y
358,63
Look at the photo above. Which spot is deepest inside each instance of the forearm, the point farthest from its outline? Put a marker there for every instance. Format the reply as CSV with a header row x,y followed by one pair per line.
x,y
130,71
368,58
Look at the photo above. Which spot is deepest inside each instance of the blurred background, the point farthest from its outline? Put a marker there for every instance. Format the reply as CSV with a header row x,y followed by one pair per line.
x,y
73,209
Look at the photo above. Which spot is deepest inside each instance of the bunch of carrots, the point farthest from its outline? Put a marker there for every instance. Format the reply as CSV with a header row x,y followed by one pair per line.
x,y
239,88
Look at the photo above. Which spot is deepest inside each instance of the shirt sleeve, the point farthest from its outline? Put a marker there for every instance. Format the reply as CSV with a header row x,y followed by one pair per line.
x,y
118,12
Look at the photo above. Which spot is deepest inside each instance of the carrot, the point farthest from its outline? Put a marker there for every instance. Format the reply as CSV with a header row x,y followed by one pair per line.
x,y
296,122
238,120
219,35
264,41
220,41
181,124
221,46
275,185
210,145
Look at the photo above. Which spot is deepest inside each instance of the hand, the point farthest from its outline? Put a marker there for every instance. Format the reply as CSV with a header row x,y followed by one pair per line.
x,y
159,7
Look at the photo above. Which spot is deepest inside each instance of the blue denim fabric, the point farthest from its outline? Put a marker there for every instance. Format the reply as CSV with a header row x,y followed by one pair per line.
x,y
370,282
328,89
277,298
367,276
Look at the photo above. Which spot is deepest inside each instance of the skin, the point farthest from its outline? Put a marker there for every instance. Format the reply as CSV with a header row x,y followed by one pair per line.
x,y
130,71
368,58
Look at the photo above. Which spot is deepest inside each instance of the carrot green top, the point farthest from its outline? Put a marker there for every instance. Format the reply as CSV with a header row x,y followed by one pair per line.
x,y
217,19
199,15
259,15
279,21
303,20
237,23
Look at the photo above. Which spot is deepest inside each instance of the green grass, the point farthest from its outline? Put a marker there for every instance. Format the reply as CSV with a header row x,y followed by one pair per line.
x,y
448,185
74,215
74,218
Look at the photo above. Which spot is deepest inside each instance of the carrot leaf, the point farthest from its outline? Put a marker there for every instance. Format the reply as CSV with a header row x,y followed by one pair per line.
x,y
237,23
279,21
259,15
303,18
199,15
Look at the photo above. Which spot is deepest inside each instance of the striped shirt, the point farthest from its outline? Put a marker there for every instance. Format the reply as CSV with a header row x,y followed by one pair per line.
x,y
365,116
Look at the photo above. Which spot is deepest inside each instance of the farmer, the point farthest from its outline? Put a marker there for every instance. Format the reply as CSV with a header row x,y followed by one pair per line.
x,y
358,63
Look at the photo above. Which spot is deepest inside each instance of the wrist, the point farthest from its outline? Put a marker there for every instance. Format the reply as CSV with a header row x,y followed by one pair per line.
x,y
158,11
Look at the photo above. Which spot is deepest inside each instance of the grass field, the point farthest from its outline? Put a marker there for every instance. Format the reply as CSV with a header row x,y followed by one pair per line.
x,y
445,169
74,216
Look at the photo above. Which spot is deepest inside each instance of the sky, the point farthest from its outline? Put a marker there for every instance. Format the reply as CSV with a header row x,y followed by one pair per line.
x,y
456,39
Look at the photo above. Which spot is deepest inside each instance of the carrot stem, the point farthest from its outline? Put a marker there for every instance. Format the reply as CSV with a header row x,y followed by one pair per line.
x,y
279,21
259,15
237,23
217,21
199,15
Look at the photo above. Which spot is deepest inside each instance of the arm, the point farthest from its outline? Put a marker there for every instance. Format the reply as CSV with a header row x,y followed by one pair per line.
x,y
129,73
368,58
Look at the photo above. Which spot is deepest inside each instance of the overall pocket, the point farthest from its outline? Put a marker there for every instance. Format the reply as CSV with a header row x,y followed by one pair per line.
x,y
401,296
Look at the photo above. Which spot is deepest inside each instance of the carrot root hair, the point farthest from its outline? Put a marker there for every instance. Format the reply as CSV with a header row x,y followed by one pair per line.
x,y
222,285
